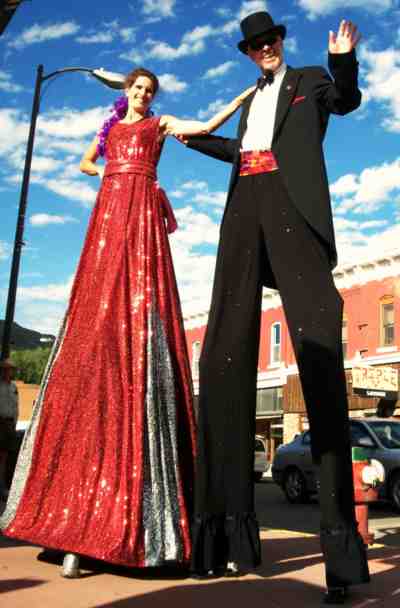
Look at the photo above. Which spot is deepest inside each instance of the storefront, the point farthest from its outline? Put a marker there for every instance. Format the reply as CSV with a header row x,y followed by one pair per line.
x,y
269,418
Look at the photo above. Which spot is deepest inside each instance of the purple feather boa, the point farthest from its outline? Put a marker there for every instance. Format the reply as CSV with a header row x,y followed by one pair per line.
x,y
119,110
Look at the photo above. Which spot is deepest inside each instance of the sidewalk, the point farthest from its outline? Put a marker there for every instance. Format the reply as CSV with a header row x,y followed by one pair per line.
x,y
292,575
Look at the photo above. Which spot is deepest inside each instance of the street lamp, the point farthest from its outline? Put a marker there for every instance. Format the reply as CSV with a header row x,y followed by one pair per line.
x,y
110,79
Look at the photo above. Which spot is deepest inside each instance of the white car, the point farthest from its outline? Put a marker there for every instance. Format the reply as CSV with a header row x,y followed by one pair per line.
x,y
260,458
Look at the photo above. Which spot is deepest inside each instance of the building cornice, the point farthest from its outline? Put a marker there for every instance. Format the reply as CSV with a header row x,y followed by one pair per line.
x,y
345,275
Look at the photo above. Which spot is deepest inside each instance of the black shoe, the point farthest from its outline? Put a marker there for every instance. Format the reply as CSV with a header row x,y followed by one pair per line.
x,y
203,574
335,595
233,570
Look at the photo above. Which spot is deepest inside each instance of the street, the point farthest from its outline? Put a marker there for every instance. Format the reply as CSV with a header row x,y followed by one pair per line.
x,y
292,572
275,513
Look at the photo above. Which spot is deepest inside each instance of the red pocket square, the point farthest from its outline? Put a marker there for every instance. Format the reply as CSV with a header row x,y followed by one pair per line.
x,y
298,99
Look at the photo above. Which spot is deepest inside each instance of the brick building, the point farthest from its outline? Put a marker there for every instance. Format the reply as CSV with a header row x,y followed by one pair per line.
x,y
371,337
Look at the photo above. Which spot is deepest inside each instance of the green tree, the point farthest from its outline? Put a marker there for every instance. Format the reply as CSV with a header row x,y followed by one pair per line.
x,y
30,364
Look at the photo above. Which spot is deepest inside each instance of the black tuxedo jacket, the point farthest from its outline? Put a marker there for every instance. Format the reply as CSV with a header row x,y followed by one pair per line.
x,y
307,98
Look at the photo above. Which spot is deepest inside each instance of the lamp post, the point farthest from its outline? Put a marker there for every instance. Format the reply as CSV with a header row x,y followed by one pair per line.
x,y
110,79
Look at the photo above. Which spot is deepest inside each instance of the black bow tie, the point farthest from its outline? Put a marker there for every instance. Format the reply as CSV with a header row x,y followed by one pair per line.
x,y
267,78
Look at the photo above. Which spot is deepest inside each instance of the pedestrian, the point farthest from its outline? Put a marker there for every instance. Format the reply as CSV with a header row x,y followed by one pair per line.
x,y
8,421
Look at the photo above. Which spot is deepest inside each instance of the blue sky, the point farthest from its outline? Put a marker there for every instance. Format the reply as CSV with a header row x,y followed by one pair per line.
x,y
191,46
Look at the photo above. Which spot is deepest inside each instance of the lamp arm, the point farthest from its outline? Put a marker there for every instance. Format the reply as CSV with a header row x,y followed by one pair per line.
x,y
72,69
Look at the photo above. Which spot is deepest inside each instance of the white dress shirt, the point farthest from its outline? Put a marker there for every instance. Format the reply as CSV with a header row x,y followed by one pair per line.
x,y
261,118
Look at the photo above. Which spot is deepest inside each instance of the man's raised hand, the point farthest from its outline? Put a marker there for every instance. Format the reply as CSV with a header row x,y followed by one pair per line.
x,y
345,40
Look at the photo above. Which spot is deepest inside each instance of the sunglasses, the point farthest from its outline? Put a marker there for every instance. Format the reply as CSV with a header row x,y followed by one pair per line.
x,y
261,41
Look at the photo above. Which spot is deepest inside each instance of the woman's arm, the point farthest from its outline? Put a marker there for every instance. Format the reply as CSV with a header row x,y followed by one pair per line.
x,y
87,164
174,126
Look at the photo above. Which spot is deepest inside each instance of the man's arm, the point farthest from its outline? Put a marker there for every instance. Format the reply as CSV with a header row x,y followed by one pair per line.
x,y
342,95
220,148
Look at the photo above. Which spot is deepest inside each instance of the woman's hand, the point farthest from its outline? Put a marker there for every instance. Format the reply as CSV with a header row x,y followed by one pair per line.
x,y
240,98
170,125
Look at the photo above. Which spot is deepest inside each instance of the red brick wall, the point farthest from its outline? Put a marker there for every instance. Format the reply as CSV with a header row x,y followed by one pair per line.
x,y
362,307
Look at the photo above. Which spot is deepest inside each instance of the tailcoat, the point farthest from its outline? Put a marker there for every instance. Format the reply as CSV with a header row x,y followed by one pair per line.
x,y
307,98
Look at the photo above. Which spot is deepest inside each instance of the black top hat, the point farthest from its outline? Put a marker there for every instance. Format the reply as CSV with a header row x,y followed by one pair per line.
x,y
256,24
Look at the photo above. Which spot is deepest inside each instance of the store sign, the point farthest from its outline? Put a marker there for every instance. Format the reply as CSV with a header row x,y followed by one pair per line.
x,y
380,382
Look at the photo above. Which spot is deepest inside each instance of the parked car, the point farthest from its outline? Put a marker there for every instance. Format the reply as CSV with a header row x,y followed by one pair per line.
x,y
295,473
260,458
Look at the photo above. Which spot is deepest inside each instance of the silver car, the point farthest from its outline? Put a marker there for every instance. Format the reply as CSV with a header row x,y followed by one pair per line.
x,y
295,473
260,458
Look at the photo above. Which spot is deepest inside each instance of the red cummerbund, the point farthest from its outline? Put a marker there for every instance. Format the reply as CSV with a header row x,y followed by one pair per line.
x,y
257,161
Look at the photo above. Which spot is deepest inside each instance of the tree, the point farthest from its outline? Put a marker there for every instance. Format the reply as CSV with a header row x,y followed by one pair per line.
x,y
30,364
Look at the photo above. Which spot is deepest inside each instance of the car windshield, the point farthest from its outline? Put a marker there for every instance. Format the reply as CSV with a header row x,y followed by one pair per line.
x,y
388,433
259,446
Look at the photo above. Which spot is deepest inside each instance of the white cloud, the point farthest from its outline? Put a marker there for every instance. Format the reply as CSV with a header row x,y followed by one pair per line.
x,y
41,316
74,190
223,12
195,228
72,147
45,164
44,219
127,34
291,45
213,108
382,75
99,38
5,250
14,128
347,184
54,292
315,8
199,192
171,83
220,70
252,6
194,185
165,52
194,272
158,9
111,31
355,245
369,191
193,41
69,123
55,130
7,84
39,33
134,56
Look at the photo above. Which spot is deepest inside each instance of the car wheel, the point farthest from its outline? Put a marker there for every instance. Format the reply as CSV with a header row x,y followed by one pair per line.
x,y
394,491
257,476
294,487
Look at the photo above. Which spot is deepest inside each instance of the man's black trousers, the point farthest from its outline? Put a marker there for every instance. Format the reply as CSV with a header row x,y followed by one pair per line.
x,y
264,236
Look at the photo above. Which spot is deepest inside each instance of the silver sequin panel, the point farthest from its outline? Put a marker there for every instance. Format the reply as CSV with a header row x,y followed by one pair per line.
x,y
25,455
163,539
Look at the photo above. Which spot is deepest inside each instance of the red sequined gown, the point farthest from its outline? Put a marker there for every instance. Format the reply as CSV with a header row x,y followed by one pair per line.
x,y
106,467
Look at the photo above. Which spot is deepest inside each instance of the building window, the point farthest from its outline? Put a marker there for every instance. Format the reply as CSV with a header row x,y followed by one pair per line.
x,y
196,348
345,336
275,343
387,321
269,401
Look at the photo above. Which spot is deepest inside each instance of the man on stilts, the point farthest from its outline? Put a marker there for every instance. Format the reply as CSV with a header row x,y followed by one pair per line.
x,y
277,231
